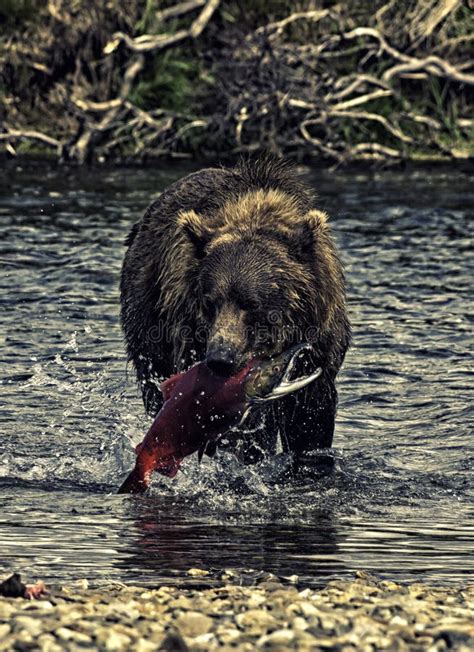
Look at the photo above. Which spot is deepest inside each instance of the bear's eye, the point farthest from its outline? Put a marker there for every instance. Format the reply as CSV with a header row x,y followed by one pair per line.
x,y
243,300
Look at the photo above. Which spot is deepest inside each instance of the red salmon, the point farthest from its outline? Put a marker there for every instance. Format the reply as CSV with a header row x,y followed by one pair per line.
x,y
200,406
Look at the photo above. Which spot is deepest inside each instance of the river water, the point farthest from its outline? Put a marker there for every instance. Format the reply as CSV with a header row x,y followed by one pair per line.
x,y
400,501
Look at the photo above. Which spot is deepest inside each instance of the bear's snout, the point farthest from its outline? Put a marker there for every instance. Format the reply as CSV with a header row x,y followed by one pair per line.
x,y
227,341
221,357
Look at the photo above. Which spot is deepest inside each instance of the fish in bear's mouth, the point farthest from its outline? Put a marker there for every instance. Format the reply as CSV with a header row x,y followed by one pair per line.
x,y
199,406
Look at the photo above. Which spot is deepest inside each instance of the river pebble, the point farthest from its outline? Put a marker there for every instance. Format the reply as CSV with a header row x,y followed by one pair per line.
x,y
363,614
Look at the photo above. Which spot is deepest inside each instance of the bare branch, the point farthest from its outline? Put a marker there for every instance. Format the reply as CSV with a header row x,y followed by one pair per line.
x,y
436,15
357,80
317,142
424,119
153,43
276,29
179,10
81,149
432,65
19,134
195,124
452,43
374,117
374,151
204,17
370,31
147,42
300,104
362,99
382,11
89,105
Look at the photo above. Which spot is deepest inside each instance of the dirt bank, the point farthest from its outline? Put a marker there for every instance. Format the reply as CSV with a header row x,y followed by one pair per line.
x,y
340,82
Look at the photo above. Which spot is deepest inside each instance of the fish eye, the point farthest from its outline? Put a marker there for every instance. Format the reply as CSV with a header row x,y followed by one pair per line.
x,y
277,368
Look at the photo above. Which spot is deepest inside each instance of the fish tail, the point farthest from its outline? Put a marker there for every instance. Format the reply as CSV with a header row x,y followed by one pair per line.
x,y
136,483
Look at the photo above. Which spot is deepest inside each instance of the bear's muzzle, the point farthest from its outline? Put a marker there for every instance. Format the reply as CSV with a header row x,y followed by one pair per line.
x,y
221,357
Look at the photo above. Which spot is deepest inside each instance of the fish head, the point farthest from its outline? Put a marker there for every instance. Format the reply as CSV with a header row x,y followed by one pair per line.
x,y
271,379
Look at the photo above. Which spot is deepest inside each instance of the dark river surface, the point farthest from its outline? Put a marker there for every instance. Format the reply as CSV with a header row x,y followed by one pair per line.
x,y
400,503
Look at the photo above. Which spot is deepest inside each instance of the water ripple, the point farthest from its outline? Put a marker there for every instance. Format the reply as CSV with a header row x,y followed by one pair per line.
x,y
400,501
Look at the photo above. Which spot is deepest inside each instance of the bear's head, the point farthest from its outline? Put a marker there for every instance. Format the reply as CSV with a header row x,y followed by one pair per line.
x,y
260,271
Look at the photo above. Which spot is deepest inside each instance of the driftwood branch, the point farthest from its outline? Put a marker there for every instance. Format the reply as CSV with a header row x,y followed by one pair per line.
x,y
204,17
18,134
352,83
80,151
371,151
372,117
433,16
433,66
181,9
276,29
153,43
361,99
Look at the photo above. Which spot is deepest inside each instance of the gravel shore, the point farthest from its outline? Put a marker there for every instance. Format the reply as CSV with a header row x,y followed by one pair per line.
x,y
364,614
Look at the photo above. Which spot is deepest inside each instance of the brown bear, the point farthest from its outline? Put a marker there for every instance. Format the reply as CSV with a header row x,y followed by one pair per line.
x,y
231,263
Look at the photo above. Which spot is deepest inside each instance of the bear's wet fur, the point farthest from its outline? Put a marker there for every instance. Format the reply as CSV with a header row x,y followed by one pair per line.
x,y
228,263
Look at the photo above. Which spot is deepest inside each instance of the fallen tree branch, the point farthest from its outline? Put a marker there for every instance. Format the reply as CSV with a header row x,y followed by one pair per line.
x,y
153,43
433,65
19,134
80,150
354,85
299,104
374,151
374,117
204,17
147,42
179,10
317,142
191,125
89,105
276,29
424,119
435,16
370,31
452,43
362,99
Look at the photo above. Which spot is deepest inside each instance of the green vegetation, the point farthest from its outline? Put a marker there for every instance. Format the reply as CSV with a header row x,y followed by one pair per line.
x,y
173,82
378,80
17,12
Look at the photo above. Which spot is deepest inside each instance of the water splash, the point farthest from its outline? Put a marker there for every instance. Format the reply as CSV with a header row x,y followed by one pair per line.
x,y
399,500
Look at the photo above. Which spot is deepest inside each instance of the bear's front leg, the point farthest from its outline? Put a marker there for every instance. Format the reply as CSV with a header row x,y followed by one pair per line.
x,y
306,422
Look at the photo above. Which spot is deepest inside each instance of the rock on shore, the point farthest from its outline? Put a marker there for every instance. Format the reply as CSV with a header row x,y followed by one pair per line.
x,y
364,615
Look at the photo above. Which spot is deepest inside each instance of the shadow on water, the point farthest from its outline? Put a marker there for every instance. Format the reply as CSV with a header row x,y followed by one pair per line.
x,y
400,500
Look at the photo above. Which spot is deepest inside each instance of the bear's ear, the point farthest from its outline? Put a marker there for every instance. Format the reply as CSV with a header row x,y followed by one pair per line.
x,y
192,224
306,233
